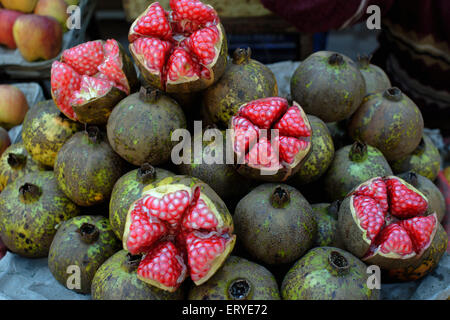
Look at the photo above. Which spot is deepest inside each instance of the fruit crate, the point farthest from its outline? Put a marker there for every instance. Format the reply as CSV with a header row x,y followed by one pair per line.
x,y
34,94
14,66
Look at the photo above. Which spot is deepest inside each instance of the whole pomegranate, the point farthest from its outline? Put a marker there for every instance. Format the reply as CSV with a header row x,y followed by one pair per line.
x,y
385,221
275,223
31,208
183,50
127,190
388,121
91,79
222,177
87,168
436,201
13,106
375,78
424,160
15,162
326,215
83,241
116,279
183,229
141,125
320,157
351,166
328,85
327,273
244,79
5,141
270,139
238,279
45,130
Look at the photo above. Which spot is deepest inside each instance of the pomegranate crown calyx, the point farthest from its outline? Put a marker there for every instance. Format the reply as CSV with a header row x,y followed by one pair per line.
x,y
280,198
358,151
132,262
242,55
240,289
29,192
364,61
146,173
94,134
149,94
338,263
336,59
393,94
89,233
16,160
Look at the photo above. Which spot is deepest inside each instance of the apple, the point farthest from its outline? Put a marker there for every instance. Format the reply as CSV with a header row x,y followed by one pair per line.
x,y
5,141
53,8
7,19
37,37
26,6
13,106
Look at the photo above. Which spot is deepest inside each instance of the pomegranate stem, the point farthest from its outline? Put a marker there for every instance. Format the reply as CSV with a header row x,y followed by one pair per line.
x,y
242,55
280,197
336,59
364,61
146,173
338,262
29,192
132,262
93,133
240,289
358,152
149,94
393,94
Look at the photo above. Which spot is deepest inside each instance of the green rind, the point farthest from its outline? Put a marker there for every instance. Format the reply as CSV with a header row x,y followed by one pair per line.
x,y
127,190
45,131
262,282
327,232
141,132
274,235
9,174
113,281
312,278
28,228
87,171
68,249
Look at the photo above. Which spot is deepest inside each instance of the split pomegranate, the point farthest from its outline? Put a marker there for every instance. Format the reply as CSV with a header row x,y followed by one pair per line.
x,y
270,138
181,231
91,79
385,221
183,50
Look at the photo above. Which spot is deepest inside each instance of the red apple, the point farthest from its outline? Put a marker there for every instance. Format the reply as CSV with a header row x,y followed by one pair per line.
x,y
7,19
13,106
37,37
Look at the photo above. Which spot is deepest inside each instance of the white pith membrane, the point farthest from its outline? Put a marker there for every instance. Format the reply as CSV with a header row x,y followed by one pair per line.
x,y
281,144
391,214
87,72
176,51
180,232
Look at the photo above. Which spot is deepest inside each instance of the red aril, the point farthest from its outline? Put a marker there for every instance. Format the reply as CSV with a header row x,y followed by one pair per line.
x,y
182,230
91,79
183,50
270,138
385,221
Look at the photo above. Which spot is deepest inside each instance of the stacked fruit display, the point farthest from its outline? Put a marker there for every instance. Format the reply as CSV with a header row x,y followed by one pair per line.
x,y
279,214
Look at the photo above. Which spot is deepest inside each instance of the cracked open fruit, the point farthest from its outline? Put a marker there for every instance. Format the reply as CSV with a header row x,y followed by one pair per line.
x,y
270,138
182,231
183,50
386,221
91,79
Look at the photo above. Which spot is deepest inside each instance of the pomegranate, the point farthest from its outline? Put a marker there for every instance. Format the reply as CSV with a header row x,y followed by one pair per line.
x,y
326,215
328,85
182,230
91,79
424,160
385,221
388,121
183,50
265,154
238,279
351,166
375,78
244,79
327,273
